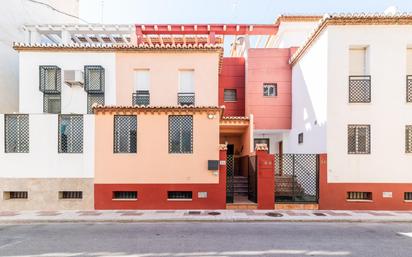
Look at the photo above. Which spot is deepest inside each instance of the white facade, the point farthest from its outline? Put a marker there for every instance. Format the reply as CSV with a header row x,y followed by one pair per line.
x,y
292,34
73,98
43,159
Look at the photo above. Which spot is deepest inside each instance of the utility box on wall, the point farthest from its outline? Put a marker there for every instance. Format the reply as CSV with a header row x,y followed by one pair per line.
x,y
212,164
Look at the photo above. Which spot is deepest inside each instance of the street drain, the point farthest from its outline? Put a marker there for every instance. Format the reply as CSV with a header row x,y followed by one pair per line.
x,y
194,212
319,214
274,214
214,213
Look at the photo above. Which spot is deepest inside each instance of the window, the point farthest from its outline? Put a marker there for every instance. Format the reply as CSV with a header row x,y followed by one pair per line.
x,y
186,93
300,138
125,133
125,195
16,133
180,134
409,89
408,139
94,98
261,141
270,89
70,133
359,196
359,81
230,95
359,139
94,79
407,196
50,85
70,195
141,95
15,195
179,195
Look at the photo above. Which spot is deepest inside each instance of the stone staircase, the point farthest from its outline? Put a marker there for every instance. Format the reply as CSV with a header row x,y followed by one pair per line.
x,y
241,186
287,186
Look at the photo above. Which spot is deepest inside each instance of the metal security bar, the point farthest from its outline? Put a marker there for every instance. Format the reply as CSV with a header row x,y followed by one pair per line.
x,y
125,134
50,79
186,99
296,178
359,196
359,139
51,103
409,88
179,195
230,173
70,194
252,178
408,139
93,98
94,79
16,133
360,89
70,133
141,97
408,196
180,134
17,195
125,195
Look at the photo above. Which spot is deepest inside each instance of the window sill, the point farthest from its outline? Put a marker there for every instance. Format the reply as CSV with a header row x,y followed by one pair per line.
x,y
271,96
179,200
230,101
407,201
125,200
16,199
70,199
359,201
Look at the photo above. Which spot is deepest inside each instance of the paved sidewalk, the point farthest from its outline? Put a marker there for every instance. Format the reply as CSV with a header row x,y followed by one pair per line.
x,y
204,215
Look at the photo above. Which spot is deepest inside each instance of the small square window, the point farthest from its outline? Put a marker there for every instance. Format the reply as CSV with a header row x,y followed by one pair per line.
x,y
270,89
300,138
230,95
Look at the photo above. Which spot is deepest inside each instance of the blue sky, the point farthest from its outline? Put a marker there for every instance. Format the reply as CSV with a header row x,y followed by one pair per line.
x,y
222,11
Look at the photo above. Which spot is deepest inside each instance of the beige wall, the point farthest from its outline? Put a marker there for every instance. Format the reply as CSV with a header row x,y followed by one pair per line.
x,y
43,194
152,163
164,76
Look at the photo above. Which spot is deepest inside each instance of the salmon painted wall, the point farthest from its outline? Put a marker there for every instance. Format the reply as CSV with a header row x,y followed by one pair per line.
x,y
232,76
153,164
265,65
164,76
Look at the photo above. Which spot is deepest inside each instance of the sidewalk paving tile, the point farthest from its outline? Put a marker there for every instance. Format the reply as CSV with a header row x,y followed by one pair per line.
x,y
292,213
48,213
89,213
8,213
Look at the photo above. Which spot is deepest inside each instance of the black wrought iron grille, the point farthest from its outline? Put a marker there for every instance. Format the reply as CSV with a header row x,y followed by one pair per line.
x,y
125,195
408,196
409,88
70,133
179,195
18,195
296,178
408,139
141,97
94,79
16,133
186,99
359,139
125,133
359,196
180,134
71,194
51,103
230,173
50,79
360,89
252,178
94,98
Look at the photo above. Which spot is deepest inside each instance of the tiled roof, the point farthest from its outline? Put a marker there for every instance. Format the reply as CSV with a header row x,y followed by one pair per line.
x,y
351,19
298,18
150,107
235,118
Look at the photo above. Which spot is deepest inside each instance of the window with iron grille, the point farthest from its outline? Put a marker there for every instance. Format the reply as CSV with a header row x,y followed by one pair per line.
x,y
300,138
186,99
125,195
141,97
230,95
16,133
94,98
359,89
94,79
180,195
125,133
408,139
270,89
409,89
359,196
71,195
70,133
50,79
407,196
359,139
51,103
180,134
16,195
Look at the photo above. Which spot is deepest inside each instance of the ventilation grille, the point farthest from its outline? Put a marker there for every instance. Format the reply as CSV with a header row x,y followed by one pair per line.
x,y
185,195
128,195
359,196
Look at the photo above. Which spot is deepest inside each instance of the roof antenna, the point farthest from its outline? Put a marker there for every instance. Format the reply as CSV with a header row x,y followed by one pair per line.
x,y
391,10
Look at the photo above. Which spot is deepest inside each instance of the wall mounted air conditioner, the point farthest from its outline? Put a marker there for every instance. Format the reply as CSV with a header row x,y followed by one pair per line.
x,y
74,78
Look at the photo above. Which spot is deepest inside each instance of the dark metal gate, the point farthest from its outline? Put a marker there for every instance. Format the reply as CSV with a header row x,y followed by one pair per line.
x,y
252,178
297,178
230,172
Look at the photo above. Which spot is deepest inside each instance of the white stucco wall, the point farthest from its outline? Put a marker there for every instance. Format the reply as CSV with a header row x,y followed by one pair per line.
x,y
388,113
309,87
74,99
43,159
293,34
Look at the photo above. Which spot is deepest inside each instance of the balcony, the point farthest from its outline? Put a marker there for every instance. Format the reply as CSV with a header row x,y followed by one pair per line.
x,y
141,97
360,89
186,99
409,88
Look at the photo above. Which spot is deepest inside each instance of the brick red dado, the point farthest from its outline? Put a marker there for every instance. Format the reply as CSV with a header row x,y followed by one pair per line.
x,y
333,195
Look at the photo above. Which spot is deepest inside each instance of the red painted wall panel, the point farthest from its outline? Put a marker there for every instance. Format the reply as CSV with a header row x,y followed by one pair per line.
x,y
266,180
232,76
269,65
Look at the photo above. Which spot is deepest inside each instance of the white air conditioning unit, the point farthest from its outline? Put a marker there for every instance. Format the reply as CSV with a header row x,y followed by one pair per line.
x,y
74,77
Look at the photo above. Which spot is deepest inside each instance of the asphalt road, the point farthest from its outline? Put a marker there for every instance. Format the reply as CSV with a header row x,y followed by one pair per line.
x,y
206,239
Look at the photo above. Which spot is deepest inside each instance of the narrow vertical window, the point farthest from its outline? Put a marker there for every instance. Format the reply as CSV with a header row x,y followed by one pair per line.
x,y
359,139
186,94
141,94
16,133
94,79
70,133
409,75
180,134
408,139
50,85
359,80
125,134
